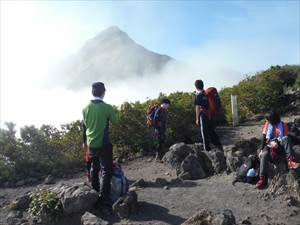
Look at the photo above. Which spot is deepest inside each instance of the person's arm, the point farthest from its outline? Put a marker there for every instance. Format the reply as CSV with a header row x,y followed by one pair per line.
x,y
84,144
263,141
197,114
83,133
113,117
198,103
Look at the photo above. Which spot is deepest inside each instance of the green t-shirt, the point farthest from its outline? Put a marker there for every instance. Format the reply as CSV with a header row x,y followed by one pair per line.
x,y
96,117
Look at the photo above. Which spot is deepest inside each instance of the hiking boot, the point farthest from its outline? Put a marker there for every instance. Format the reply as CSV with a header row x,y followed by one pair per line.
x,y
292,163
262,183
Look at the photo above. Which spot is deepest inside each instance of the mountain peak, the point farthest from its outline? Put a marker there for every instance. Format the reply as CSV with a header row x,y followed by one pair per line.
x,y
111,33
111,55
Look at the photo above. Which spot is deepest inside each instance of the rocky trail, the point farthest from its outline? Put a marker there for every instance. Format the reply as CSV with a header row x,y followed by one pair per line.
x,y
164,199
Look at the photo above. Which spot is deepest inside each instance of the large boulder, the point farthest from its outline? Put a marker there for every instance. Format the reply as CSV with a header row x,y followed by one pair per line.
x,y
206,217
90,219
176,154
76,198
192,162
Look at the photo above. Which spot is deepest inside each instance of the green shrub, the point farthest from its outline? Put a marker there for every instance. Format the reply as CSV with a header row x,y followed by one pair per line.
x,y
261,92
45,205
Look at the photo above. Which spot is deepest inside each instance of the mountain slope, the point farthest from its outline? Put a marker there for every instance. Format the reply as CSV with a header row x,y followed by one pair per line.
x,y
111,55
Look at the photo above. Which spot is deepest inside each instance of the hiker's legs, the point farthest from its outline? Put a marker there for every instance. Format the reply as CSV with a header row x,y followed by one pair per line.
x,y
106,160
264,163
286,142
95,172
88,169
160,140
214,137
204,132
160,149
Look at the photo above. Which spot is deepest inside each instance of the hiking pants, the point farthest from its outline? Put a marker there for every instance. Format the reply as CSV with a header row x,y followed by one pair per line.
x,y
207,131
102,157
286,143
285,150
264,162
160,138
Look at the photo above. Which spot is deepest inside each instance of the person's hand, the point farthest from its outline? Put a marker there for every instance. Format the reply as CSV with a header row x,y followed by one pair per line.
x,y
197,122
274,144
260,153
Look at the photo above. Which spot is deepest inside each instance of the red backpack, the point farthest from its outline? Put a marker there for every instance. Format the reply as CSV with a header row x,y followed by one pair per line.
x,y
214,103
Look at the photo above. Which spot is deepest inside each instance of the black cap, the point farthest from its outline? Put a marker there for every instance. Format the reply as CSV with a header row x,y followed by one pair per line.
x,y
98,89
166,101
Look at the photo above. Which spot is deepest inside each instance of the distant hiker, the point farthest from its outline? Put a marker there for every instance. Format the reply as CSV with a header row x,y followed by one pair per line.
x,y
275,143
207,105
157,118
96,118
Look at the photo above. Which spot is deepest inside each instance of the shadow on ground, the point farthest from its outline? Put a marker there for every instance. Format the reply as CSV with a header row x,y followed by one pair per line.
x,y
152,212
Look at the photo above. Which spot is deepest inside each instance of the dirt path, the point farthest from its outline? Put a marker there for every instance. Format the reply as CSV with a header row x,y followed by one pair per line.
x,y
175,205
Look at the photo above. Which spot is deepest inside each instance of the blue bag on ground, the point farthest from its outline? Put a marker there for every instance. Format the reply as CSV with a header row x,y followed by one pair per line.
x,y
119,183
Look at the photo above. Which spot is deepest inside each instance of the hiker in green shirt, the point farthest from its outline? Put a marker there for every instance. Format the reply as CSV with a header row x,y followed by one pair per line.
x,y
97,116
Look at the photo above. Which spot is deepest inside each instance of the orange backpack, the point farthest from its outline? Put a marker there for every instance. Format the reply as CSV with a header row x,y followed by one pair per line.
x,y
152,115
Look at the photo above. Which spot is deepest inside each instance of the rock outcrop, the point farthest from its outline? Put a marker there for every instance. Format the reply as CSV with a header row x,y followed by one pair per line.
x,y
191,162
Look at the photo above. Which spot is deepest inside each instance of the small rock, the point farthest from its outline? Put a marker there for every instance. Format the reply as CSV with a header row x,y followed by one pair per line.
x,y
126,205
14,218
90,219
49,180
22,202
20,183
208,218
166,188
291,201
246,221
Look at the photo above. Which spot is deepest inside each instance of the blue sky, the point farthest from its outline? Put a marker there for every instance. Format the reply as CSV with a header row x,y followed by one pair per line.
x,y
224,40
172,27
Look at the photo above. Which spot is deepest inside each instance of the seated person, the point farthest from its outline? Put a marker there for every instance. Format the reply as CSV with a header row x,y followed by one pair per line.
x,y
275,141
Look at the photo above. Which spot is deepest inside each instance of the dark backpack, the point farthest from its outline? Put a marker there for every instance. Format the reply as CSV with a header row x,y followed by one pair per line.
x,y
249,163
214,103
152,115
